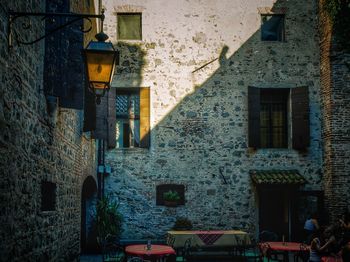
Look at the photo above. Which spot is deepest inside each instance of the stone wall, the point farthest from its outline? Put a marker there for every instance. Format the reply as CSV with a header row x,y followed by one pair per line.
x,y
36,146
198,58
335,79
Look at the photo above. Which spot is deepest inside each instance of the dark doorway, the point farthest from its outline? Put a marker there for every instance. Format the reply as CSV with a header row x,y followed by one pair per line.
x,y
274,211
88,203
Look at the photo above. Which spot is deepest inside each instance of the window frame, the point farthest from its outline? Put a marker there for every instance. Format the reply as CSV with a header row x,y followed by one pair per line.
x,y
282,34
162,188
48,196
143,117
127,92
271,97
298,121
119,14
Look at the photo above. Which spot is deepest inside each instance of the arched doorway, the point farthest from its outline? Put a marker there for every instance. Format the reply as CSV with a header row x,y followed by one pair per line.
x,y
88,204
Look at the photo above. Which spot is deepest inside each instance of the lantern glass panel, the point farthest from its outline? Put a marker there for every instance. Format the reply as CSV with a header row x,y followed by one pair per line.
x,y
100,67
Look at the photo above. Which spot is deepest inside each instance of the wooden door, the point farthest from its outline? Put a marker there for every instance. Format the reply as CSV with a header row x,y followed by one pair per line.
x,y
274,212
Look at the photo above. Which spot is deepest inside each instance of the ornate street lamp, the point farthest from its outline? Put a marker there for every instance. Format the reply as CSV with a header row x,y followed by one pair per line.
x,y
100,58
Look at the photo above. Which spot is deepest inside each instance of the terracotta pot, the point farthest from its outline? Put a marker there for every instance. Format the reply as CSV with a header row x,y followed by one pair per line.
x,y
170,203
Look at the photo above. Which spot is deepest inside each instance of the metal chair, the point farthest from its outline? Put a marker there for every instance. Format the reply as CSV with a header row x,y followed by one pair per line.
x,y
302,254
170,240
137,259
184,253
113,253
252,253
267,253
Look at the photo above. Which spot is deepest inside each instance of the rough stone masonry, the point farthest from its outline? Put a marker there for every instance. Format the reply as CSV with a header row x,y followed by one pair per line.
x,y
37,145
198,58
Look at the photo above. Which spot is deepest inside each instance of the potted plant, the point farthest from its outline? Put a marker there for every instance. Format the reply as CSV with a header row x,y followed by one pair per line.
x,y
108,221
171,198
182,223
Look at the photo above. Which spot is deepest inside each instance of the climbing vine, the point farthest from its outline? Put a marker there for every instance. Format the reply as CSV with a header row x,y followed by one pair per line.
x,y
339,14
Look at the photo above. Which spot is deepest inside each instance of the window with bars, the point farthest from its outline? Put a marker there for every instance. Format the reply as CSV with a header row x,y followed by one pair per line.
x,y
132,118
129,26
273,119
128,120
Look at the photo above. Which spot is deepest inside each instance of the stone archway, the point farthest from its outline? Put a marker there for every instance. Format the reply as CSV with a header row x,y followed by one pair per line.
x,y
88,204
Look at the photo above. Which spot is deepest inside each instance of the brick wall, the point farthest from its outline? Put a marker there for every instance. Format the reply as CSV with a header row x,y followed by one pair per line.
x,y
335,83
34,147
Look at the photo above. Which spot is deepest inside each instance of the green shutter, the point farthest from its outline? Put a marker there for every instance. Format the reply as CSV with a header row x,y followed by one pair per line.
x,y
101,131
89,110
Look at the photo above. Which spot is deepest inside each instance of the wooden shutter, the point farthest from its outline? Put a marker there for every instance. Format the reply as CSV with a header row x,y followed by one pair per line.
x,y
144,117
253,117
89,110
300,118
111,143
101,130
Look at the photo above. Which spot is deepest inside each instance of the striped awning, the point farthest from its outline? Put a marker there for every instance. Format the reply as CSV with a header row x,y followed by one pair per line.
x,y
277,177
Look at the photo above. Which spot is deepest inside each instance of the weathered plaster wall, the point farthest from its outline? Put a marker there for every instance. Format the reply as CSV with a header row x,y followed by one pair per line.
x,y
199,117
35,146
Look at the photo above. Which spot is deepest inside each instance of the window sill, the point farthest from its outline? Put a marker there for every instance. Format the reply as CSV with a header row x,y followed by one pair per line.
x,y
290,151
48,212
130,41
131,149
271,41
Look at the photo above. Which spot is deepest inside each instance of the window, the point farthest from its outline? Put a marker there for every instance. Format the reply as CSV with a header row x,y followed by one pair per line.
x,y
273,118
272,27
128,120
129,26
161,189
271,122
48,196
132,118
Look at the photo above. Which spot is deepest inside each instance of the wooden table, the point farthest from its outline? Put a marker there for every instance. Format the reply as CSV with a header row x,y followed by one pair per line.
x,y
331,259
285,247
211,238
157,252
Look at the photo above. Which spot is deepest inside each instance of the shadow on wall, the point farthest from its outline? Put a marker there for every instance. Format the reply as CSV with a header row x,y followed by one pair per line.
x,y
129,70
202,142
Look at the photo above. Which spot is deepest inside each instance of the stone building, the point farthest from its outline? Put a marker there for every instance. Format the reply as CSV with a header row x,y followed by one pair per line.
x,y
241,107
220,101
47,163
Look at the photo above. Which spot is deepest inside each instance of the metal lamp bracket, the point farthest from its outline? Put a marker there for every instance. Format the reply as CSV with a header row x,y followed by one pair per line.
x,y
26,25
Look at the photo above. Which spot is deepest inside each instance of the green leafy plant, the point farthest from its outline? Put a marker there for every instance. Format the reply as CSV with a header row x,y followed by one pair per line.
x,y
339,14
182,223
171,195
108,220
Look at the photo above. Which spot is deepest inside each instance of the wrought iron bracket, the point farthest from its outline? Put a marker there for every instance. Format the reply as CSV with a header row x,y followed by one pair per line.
x,y
26,24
